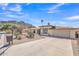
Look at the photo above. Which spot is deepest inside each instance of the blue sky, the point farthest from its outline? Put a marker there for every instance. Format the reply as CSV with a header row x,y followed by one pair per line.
x,y
60,14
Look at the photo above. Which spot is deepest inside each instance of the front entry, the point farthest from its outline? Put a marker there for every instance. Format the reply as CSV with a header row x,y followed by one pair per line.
x,y
38,31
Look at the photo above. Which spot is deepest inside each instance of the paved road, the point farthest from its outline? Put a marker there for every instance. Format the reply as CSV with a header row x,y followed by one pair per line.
x,y
44,47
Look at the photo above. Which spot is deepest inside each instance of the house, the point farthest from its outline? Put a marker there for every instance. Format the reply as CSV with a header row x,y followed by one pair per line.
x,y
56,31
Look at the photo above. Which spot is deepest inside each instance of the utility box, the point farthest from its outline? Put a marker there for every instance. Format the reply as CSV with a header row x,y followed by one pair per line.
x,y
9,38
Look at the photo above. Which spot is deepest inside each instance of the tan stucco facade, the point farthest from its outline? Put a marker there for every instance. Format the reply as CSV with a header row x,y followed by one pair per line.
x,y
73,33
67,33
59,32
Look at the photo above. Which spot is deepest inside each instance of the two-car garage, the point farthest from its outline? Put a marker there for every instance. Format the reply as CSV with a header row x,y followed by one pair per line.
x,y
65,33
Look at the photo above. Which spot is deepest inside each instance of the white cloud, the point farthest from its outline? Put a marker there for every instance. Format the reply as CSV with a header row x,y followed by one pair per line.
x,y
4,5
5,13
2,13
28,4
72,18
10,15
60,23
14,16
17,8
54,9
56,6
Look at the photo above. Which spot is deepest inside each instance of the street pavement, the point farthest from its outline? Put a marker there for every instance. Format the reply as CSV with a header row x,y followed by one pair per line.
x,y
47,46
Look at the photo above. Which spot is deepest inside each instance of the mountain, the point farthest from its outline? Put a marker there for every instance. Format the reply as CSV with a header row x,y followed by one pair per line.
x,y
18,23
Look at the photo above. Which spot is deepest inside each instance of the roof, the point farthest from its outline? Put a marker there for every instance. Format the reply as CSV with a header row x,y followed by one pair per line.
x,y
66,29
48,26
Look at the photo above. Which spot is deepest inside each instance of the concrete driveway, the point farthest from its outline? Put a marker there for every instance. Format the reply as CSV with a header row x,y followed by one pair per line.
x,y
47,46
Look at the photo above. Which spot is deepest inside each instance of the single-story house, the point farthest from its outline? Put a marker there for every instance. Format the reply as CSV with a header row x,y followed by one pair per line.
x,y
56,31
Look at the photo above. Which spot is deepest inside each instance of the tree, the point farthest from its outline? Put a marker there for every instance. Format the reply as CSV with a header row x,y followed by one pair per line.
x,y
48,23
42,22
9,27
6,27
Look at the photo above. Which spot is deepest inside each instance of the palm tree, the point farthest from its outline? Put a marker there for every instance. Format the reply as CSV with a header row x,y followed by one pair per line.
x,y
42,22
48,23
42,25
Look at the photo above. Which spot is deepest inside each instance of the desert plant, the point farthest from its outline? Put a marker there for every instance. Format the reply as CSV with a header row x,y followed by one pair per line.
x,y
31,35
19,37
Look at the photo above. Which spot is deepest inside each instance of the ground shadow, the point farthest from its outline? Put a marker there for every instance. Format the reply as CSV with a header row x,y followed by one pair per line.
x,y
6,47
61,37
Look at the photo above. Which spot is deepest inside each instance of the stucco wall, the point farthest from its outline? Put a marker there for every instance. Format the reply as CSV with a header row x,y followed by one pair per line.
x,y
63,33
59,33
72,34
66,33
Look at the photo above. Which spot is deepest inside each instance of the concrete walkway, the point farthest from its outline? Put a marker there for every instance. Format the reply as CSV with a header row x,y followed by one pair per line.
x,y
43,47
